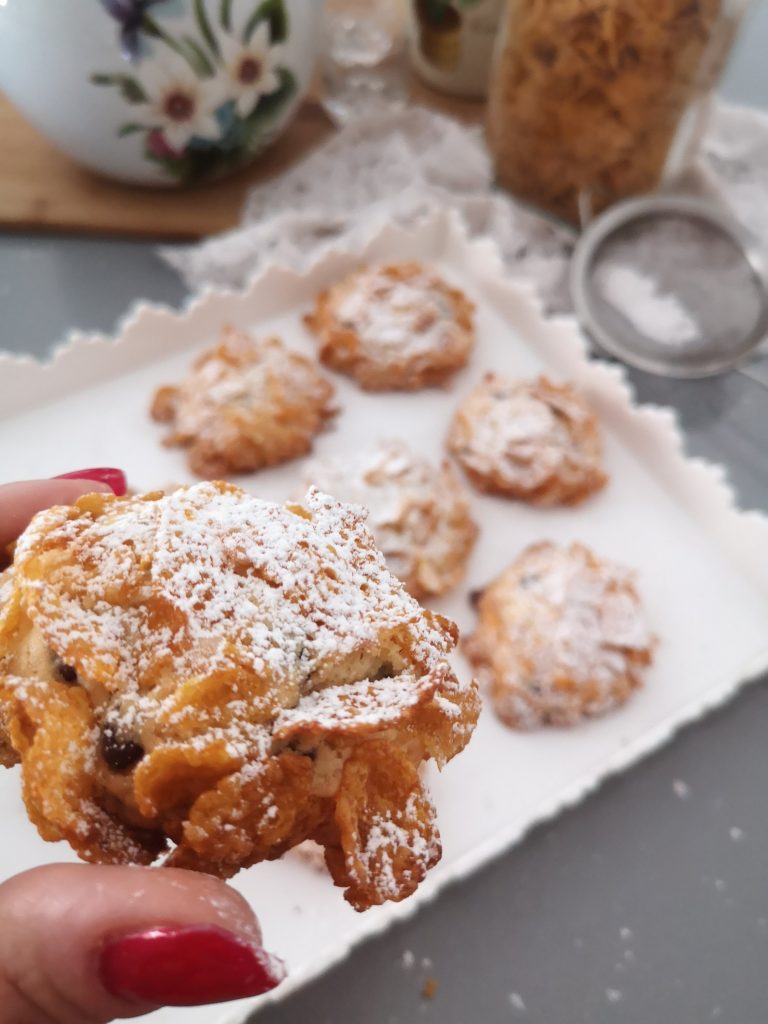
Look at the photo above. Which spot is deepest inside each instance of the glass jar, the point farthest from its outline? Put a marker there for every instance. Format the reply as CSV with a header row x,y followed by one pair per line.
x,y
595,100
451,43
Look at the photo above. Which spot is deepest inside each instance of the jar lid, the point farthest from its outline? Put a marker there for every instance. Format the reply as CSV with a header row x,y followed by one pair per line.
x,y
672,285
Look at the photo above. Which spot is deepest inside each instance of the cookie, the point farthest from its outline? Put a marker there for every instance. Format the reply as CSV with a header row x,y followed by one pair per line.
x,y
531,440
561,636
395,327
232,676
245,405
419,513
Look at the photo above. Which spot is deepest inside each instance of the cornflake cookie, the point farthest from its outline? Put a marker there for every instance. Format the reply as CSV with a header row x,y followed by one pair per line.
x,y
245,405
231,675
531,440
397,327
419,514
560,637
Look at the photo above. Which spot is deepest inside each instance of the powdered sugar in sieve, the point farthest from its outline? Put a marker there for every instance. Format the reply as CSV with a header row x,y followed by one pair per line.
x,y
671,285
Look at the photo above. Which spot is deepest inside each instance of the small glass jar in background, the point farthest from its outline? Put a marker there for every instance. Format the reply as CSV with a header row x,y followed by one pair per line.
x,y
450,43
363,64
595,101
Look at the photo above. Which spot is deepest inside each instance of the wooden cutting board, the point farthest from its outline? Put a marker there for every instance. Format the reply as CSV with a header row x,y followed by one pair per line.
x,y
40,189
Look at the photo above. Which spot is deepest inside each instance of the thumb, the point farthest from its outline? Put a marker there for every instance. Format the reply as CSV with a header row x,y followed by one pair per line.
x,y
81,944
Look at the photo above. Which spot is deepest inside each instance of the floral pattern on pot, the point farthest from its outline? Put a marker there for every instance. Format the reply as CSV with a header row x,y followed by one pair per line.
x,y
203,105
129,13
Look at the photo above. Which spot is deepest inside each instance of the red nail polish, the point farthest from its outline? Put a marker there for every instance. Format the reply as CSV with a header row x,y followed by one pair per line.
x,y
187,967
114,478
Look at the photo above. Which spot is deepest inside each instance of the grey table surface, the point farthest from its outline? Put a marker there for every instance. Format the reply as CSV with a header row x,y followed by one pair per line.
x,y
648,903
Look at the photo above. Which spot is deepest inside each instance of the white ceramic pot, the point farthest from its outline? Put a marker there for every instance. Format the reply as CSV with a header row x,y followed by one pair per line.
x,y
158,92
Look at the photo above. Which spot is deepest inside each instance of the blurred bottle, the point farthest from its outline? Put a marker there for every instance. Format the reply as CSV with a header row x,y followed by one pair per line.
x,y
363,64
451,43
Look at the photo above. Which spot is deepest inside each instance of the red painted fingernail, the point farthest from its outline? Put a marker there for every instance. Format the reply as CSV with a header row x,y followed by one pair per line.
x,y
187,967
114,478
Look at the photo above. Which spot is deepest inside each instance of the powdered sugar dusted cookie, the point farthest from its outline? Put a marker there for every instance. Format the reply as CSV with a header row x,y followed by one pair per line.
x,y
246,404
531,440
419,513
232,675
394,327
561,636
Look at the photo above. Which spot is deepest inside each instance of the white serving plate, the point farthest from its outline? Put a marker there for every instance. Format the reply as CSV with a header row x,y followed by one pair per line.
x,y
703,565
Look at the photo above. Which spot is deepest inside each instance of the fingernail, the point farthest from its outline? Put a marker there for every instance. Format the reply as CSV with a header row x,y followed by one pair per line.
x,y
187,967
114,478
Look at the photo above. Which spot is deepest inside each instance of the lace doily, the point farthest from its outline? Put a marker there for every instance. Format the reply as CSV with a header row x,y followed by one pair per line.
x,y
402,165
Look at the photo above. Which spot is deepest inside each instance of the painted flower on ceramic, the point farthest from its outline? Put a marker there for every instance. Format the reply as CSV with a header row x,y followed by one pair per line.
x,y
129,13
203,101
178,104
250,67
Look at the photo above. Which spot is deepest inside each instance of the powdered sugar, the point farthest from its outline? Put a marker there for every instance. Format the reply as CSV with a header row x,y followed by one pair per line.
x,y
652,312
519,432
397,319
244,405
561,635
246,374
358,707
419,514
209,580
6,586
526,435
6,592
391,833
596,618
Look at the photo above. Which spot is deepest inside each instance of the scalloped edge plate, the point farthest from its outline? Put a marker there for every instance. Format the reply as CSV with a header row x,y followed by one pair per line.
x,y
702,559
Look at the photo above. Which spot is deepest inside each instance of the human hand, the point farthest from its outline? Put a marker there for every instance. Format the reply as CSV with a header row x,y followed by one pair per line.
x,y
83,944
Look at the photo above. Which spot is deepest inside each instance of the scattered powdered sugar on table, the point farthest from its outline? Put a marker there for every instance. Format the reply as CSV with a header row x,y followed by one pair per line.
x,y
681,789
408,959
736,834
517,1002
613,995
653,312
